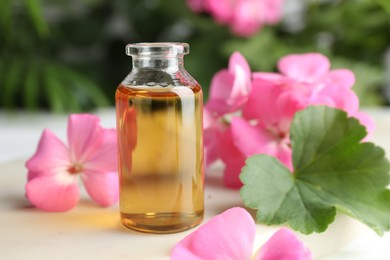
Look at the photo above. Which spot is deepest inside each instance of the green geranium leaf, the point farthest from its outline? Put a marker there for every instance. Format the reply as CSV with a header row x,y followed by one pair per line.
x,y
334,172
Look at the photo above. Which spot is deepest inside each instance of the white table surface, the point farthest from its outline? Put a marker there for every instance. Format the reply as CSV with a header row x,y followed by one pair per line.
x,y
90,232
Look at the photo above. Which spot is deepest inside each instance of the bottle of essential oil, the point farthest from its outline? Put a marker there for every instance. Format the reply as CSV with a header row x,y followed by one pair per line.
x,y
160,141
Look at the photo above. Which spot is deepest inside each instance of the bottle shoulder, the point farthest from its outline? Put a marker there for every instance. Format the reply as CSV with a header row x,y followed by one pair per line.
x,y
152,78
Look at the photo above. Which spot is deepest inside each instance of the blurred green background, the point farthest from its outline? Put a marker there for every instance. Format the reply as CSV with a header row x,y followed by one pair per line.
x,y
68,56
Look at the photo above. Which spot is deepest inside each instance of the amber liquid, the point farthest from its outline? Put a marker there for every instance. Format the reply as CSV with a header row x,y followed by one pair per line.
x,y
160,146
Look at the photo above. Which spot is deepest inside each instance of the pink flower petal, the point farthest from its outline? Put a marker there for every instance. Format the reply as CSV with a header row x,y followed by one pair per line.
x,y
213,129
283,245
85,135
269,76
103,187
237,61
261,102
229,235
220,89
321,100
239,67
51,154
343,98
219,107
230,87
251,140
343,78
105,158
308,67
211,145
233,158
367,122
231,173
289,102
56,192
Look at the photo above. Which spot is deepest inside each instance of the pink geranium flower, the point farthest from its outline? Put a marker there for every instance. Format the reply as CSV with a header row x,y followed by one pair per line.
x,y
231,235
264,111
54,169
229,91
310,74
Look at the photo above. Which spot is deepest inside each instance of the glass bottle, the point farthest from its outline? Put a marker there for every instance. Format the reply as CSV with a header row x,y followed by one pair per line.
x,y
160,141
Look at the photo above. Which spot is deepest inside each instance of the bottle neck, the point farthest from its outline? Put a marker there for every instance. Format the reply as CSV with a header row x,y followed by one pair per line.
x,y
168,64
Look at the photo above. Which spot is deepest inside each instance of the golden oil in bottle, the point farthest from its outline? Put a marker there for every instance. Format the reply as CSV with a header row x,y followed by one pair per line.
x,y
160,148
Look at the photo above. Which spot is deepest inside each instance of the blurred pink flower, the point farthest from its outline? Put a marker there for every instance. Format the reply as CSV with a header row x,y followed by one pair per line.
x,y
54,169
310,74
245,17
213,129
250,15
231,234
283,245
222,10
262,115
233,158
230,87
